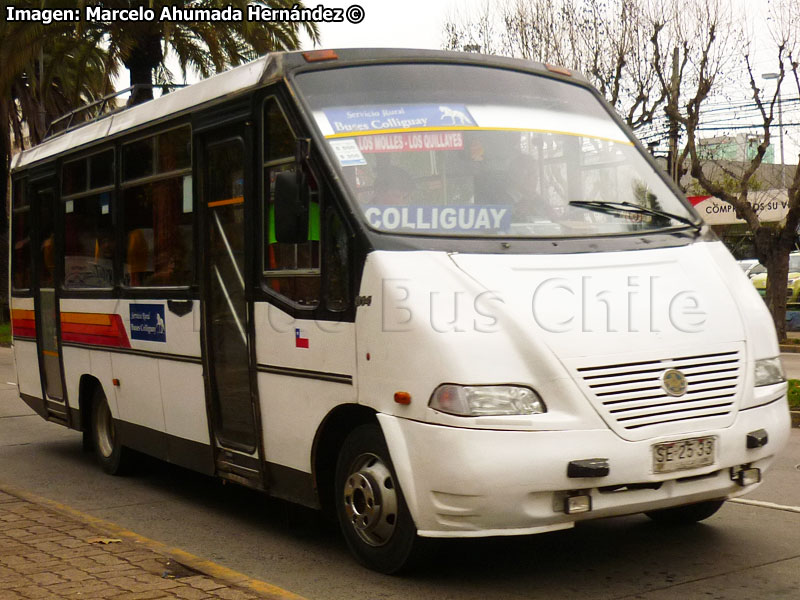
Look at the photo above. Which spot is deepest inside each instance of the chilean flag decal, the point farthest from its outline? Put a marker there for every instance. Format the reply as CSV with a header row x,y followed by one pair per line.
x,y
299,340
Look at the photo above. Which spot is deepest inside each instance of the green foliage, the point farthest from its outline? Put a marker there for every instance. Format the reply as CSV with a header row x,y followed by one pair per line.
x,y
727,182
794,394
5,334
207,47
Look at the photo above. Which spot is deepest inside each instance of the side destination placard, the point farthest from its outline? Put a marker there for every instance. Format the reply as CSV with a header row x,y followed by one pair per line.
x,y
411,116
147,322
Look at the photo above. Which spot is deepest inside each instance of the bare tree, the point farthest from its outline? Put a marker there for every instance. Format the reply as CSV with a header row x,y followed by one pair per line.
x,y
472,31
691,55
607,40
646,56
688,91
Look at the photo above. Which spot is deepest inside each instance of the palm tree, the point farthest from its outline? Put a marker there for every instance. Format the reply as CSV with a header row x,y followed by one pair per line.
x,y
207,47
46,71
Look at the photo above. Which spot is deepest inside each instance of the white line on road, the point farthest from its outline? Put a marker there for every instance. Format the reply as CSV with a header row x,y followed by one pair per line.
x,y
794,509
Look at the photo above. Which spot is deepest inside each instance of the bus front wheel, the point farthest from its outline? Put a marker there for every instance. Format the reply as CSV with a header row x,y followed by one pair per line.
x,y
107,447
372,512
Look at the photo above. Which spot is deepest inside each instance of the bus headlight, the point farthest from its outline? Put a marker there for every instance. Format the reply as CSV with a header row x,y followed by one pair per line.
x,y
769,371
486,400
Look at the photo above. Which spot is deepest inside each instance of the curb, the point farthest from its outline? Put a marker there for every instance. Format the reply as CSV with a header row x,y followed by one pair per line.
x,y
795,417
790,348
195,563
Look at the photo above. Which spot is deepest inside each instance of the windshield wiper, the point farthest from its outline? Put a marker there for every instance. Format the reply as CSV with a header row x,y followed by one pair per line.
x,y
629,207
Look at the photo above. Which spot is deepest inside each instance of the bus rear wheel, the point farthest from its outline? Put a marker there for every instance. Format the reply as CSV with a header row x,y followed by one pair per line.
x,y
110,453
686,515
370,507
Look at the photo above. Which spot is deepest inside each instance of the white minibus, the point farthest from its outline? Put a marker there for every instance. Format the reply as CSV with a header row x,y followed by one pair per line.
x,y
440,294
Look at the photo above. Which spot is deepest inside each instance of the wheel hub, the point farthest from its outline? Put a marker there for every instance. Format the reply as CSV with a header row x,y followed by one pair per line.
x,y
370,500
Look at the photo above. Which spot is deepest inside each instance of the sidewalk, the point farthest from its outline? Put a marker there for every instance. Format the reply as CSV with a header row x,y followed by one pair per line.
x,y
52,552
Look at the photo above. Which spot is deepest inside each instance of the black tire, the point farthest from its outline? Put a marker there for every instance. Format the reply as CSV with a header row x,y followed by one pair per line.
x,y
111,455
370,507
686,515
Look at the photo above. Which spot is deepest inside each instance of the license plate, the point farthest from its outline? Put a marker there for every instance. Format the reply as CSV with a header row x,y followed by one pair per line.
x,y
683,454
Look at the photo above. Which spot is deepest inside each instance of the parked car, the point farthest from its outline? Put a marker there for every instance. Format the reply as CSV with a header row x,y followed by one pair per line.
x,y
793,282
751,266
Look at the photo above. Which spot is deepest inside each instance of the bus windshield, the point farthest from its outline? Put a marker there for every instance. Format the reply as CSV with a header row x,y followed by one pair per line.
x,y
458,150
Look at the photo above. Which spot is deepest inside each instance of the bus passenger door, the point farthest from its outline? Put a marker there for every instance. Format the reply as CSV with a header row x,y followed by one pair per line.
x,y
48,330
227,339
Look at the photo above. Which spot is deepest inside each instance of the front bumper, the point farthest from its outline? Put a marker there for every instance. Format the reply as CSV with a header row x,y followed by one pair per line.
x,y
474,483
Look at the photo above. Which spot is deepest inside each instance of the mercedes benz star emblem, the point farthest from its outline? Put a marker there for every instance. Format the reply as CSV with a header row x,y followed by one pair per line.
x,y
674,382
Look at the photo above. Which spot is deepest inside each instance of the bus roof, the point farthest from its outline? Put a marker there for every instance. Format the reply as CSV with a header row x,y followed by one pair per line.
x,y
264,70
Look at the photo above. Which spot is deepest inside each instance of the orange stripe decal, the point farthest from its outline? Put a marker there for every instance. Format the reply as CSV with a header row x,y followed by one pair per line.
x,y
85,318
227,202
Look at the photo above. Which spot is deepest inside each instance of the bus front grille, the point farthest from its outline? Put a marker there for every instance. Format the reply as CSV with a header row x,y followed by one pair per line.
x,y
633,397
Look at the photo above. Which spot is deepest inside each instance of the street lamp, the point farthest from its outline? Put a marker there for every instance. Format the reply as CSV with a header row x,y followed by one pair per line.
x,y
780,124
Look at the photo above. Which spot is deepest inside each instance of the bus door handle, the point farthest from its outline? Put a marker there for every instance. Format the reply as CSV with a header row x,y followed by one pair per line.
x,y
180,307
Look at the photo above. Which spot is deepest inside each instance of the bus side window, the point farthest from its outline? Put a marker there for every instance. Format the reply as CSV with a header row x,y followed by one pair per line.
x,y
337,259
86,188
158,209
291,270
20,238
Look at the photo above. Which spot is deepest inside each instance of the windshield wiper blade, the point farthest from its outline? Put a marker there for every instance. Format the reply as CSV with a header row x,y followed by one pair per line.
x,y
629,207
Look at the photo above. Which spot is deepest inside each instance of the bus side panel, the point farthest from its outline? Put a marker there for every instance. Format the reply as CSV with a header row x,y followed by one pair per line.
x,y
181,384
77,363
25,356
27,368
305,370
183,392
139,390
292,409
100,368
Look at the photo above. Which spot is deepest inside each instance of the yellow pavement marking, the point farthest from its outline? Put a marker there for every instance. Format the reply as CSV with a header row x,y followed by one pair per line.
x,y
204,567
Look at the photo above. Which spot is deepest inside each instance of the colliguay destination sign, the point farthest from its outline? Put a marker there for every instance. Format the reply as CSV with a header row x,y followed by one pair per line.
x,y
437,219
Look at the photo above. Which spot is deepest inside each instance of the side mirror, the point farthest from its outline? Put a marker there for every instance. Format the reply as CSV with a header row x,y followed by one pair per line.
x,y
291,207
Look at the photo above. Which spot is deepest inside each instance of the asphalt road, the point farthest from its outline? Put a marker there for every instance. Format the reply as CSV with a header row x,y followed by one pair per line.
x,y
744,551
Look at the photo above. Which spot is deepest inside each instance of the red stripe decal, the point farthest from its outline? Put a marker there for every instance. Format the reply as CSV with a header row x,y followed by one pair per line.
x,y
113,334
23,328
95,329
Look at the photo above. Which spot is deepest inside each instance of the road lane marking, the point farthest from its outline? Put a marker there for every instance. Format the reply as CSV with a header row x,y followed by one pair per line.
x,y
773,506
205,567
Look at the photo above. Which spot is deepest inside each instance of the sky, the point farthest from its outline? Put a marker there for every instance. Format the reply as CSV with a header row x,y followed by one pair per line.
x,y
390,23
420,24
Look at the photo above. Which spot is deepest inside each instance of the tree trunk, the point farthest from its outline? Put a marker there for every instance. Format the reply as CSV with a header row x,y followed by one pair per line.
x,y
144,58
777,282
